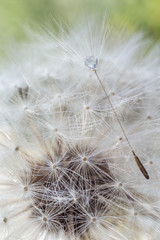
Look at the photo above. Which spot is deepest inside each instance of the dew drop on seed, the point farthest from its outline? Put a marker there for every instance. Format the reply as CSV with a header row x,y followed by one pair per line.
x,y
91,62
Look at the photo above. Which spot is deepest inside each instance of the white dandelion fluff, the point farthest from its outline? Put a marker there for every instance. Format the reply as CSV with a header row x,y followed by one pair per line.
x,y
79,137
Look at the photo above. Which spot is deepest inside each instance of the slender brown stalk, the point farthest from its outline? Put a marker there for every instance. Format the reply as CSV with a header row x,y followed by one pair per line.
x,y
139,164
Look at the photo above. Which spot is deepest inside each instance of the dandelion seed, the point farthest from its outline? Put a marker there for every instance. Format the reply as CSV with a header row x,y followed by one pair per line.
x,y
89,63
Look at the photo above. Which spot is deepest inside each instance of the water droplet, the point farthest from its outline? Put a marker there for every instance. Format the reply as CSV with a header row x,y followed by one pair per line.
x,y
91,62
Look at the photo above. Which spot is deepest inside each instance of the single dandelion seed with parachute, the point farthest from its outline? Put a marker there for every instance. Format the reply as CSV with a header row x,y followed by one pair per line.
x,y
91,62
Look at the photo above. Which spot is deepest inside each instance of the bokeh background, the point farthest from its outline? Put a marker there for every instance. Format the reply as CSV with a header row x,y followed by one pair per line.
x,y
16,14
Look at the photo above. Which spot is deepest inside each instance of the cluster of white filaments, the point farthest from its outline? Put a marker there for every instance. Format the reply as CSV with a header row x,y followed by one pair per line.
x,y
66,169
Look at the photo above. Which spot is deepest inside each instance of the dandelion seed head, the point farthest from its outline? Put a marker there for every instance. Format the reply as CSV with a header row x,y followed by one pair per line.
x,y
66,168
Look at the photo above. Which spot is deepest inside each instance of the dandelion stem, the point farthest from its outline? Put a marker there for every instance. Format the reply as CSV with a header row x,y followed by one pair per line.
x,y
139,164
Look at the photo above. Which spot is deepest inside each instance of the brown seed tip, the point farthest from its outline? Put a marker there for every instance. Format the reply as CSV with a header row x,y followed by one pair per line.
x,y
25,189
94,219
140,165
120,185
5,220
16,148
84,159
44,219
149,117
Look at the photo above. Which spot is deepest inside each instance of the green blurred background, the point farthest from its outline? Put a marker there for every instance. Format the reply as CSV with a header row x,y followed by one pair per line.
x,y
16,14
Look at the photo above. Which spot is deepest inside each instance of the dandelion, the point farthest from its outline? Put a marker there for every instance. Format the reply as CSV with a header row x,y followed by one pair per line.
x,y
77,109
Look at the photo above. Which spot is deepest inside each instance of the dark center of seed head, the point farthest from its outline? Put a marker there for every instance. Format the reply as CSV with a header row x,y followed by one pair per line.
x,y
74,210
